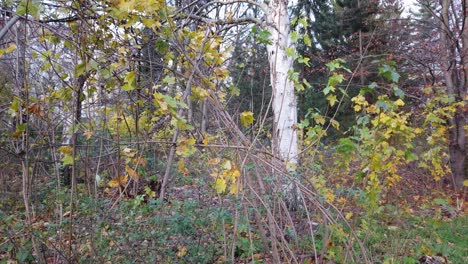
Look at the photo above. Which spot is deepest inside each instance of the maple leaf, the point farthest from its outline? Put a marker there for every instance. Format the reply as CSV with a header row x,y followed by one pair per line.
x,y
246,118
66,150
332,99
399,102
131,172
214,161
88,133
118,181
220,185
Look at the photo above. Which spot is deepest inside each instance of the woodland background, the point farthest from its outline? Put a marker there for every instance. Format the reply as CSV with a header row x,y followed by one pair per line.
x,y
155,131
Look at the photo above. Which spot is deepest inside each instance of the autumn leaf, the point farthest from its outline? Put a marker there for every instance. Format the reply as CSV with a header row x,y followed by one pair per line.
x,y
140,161
129,152
335,124
182,169
233,188
214,161
399,102
118,181
132,173
67,160
66,150
220,185
329,196
246,118
186,147
36,110
227,165
332,99
88,134
181,251
149,192
320,120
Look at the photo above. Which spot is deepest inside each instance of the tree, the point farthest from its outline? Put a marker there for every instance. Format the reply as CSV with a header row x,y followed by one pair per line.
x,y
284,98
454,66
442,48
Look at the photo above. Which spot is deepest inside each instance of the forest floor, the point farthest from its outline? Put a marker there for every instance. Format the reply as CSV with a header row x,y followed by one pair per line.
x,y
419,217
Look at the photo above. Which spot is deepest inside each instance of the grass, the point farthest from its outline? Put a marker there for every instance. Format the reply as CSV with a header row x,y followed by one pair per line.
x,y
418,236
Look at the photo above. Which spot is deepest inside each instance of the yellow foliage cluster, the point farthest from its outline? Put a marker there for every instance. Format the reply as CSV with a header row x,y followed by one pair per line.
x,y
226,174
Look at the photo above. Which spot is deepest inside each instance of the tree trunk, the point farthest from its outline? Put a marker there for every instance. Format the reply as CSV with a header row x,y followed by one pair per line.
x,y
455,77
284,100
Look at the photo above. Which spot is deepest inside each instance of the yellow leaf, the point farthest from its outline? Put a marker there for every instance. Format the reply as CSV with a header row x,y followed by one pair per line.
x,y
220,185
320,120
233,188
180,165
332,99
348,215
150,192
131,172
186,147
335,124
118,181
113,183
246,118
214,161
11,48
235,173
66,150
88,133
330,197
181,251
357,108
140,161
465,183
399,102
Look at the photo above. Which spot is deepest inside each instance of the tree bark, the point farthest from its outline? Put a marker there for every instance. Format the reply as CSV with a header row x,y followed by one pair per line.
x,y
284,100
455,82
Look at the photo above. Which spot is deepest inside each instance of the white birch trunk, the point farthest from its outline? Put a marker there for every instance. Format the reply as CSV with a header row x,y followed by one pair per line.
x,y
284,101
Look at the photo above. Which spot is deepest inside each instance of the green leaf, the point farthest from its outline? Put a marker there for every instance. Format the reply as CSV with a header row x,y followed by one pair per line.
x,y
303,22
304,60
67,160
346,146
410,156
328,89
306,83
291,52
264,37
335,79
32,8
307,41
389,73
170,80
295,36
80,69
15,105
398,92
130,81
383,105
233,90
161,46
246,118
24,255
